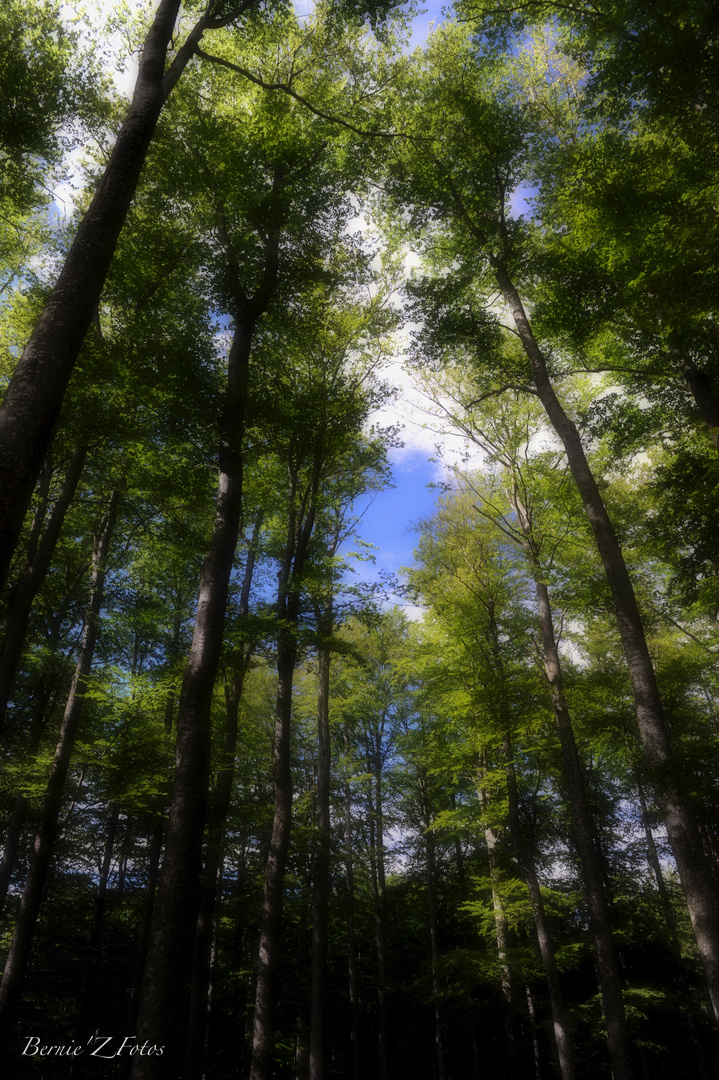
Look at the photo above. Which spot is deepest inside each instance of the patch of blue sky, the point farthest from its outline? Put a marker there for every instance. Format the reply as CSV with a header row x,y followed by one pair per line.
x,y
430,15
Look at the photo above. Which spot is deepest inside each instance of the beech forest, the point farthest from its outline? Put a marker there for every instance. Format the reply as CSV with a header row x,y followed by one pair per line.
x,y
278,801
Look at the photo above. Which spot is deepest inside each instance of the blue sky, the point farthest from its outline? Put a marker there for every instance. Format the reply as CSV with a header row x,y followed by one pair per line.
x,y
388,517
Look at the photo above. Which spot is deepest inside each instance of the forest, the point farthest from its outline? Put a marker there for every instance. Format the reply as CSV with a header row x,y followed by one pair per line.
x,y
269,810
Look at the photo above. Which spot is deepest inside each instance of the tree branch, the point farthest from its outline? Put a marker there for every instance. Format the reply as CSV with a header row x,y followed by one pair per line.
x,y
286,89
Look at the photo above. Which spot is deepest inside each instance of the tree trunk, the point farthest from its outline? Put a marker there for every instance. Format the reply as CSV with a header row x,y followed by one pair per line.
x,y
12,843
43,706
263,1029
292,569
19,954
143,934
376,815
351,946
560,1024
320,902
525,858
153,860
699,383
201,968
610,978
703,394
507,981
34,397
535,1040
164,1003
694,871
90,973
429,868
32,577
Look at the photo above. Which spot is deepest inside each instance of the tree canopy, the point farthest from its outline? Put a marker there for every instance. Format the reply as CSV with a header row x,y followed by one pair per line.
x,y
270,810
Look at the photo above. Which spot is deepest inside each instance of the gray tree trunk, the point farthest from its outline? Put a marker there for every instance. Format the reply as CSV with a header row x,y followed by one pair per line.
x,y
202,958
610,978
294,560
694,870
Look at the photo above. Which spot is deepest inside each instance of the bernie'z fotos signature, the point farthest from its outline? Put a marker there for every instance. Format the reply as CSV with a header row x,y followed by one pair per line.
x,y
97,1046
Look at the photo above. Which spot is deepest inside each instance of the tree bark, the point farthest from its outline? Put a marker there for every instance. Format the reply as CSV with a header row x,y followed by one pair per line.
x,y
694,871
704,396
525,858
45,700
560,1024
699,383
143,934
165,997
263,1028
321,893
351,945
429,868
34,572
202,957
507,981
12,843
610,978
291,571
19,954
90,973
376,815
163,1011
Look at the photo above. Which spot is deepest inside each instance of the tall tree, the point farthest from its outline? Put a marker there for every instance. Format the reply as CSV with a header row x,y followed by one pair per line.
x,y
472,199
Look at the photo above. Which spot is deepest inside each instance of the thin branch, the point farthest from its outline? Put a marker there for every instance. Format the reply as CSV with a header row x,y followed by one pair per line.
x,y
286,89
500,390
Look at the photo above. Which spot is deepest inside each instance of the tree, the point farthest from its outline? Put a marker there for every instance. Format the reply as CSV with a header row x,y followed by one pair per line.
x,y
32,402
469,201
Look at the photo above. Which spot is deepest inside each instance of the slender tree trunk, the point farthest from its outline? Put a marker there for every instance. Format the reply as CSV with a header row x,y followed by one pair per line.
x,y
560,1024
36,567
429,867
351,945
291,572
507,981
320,901
699,383
164,1003
459,854
694,871
525,858
143,934
12,843
165,996
379,890
610,978
201,970
19,954
157,833
535,1040
263,1030
90,973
